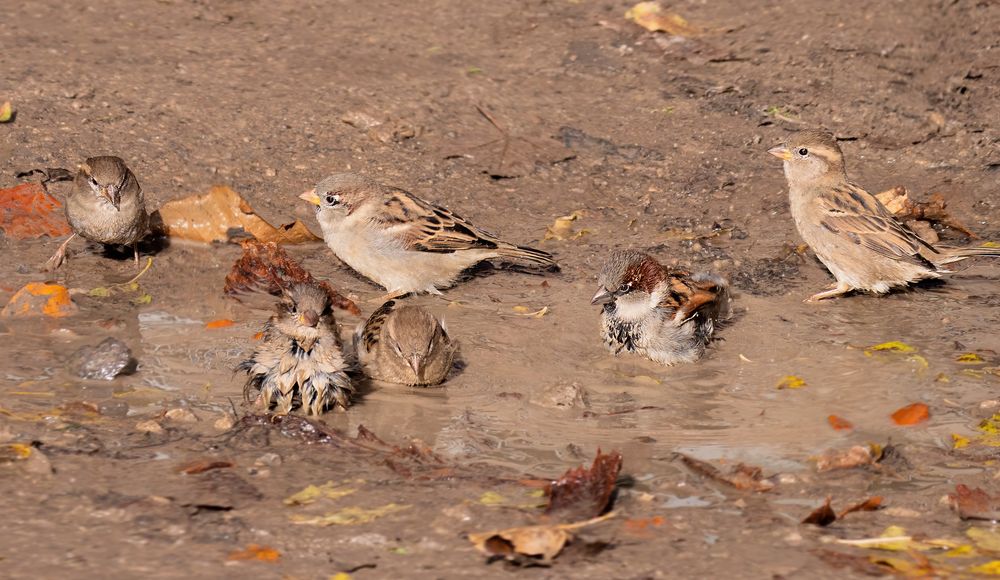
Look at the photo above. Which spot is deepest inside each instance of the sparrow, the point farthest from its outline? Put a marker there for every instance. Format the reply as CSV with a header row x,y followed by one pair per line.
x,y
664,314
105,206
860,241
405,345
401,242
300,360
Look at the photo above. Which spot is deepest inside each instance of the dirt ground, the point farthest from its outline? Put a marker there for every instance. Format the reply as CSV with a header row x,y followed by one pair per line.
x,y
659,139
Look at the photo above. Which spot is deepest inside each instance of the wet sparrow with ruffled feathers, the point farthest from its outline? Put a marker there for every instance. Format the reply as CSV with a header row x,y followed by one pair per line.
x,y
105,206
664,314
405,345
300,361
856,237
401,242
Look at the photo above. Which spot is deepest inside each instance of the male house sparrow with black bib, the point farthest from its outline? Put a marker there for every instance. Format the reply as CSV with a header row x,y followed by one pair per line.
x,y
405,345
664,314
402,242
300,361
860,241
105,206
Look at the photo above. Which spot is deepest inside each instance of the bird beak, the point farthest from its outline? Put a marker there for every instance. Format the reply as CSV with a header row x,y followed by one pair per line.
x,y
414,361
781,152
311,197
602,297
106,194
309,318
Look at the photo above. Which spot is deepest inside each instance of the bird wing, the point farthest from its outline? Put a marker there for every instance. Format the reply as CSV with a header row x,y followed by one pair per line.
x,y
859,216
426,227
373,328
687,296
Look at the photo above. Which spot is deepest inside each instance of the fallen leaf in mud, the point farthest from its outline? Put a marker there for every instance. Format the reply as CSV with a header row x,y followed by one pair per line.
x,y
37,298
958,441
6,112
311,493
650,15
349,516
898,201
918,566
255,552
740,476
990,431
854,457
839,423
14,452
266,266
974,504
891,346
642,526
790,382
562,228
221,323
893,538
27,211
220,216
991,568
492,498
823,515
525,311
869,505
970,358
585,493
911,414
542,542
985,539
201,466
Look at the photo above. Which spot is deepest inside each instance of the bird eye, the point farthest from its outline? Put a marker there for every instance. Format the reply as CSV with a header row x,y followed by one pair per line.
x,y
625,288
803,152
332,199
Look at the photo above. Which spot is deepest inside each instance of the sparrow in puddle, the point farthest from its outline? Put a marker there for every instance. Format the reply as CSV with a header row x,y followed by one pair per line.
x,y
664,314
300,361
105,206
401,242
855,236
405,345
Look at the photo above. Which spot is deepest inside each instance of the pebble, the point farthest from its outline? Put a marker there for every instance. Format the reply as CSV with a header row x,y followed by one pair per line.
x,y
149,426
224,423
562,396
268,460
110,358
181,415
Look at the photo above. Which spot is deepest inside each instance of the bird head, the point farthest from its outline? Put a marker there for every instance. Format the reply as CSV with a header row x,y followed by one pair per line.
x,y
810,156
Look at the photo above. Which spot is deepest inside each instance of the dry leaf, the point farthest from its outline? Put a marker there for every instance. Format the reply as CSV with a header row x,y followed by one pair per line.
x,y
741,476
38,298
869,505
975,504
27,211
562,227
202,466
822,516
220,216
839,423
312,493
891,346
790,382
970,358
221,323
349,516
898,201
6,112
525,311
585,493
650,15
911,414
538,542
854,457
266,266
255,552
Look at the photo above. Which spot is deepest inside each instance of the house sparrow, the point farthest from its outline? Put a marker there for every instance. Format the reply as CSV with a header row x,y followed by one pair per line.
x,y
300,359
853,234
402,242
405,345
106,206
665,315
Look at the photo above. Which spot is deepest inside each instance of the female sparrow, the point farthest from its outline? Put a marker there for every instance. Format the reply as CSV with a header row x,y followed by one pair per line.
x,y
400,241
852,233
300,359
665,315
405,345
106,206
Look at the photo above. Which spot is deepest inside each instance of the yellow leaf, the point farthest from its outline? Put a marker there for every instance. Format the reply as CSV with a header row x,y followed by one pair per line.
x,y
314,492
970,358
349,516
990,245
894,539
891,346
6,112
525,311
958,441
650,15
562,228
100,292
791,382
984,539
963,551
991,568
142,299
341,576
491,498
255,552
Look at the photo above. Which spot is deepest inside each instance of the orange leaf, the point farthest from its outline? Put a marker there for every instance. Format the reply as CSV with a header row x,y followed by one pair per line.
x,y
221,323
27,211
259,335
641,525
911,414
255,552
40,298
839,423
219,216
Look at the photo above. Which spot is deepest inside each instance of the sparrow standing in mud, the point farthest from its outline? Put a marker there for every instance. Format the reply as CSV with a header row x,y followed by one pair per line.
x,y
853,234
404,345
300,359
106,206
402,242
663,314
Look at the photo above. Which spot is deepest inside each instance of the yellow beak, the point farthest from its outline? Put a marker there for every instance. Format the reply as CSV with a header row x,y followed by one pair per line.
x,y
311,197
781,152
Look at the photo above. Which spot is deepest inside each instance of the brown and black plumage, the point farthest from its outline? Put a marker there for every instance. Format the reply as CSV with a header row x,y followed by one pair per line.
x,y
405,345
300,362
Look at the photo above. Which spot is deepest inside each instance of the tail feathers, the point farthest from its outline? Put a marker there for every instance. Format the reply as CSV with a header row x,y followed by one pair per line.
x,y
529,255
952,254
